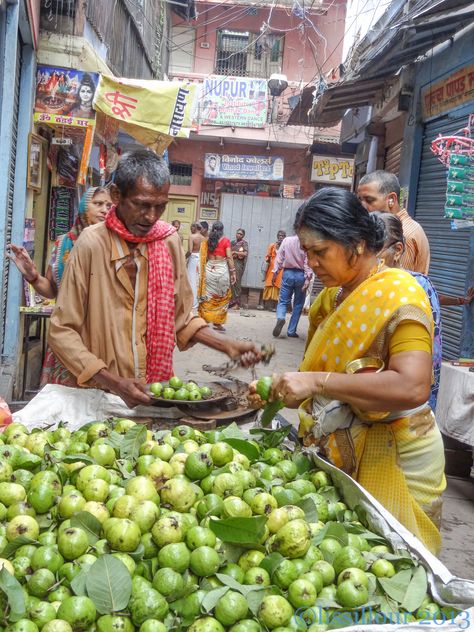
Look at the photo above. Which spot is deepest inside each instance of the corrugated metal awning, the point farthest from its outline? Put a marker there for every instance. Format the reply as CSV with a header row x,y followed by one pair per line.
x,y
379,57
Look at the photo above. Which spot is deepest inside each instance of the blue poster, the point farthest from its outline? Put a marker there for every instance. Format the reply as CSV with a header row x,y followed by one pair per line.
x,y
242,167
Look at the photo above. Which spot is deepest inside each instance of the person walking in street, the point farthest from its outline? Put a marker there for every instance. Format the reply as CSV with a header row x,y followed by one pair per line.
x,y
125,298
380,191
216,276
296,278
93,208
271,290
192,255
362,388
204,229
240,251
177,224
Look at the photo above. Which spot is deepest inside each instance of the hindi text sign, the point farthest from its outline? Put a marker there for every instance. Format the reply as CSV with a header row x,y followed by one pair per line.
x,y
454,90
242,167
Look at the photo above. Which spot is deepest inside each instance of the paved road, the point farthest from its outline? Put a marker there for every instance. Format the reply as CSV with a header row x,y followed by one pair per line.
x,y
458,512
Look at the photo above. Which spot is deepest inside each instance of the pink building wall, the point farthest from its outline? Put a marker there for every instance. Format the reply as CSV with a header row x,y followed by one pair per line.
x,y
312,46
305,50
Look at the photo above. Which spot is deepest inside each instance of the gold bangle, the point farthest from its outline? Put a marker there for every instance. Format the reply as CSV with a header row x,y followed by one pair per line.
x,y
324,384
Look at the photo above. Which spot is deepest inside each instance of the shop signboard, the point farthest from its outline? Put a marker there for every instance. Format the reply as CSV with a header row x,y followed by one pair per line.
x,y
233,102
332,170
242,167
454,90
64,96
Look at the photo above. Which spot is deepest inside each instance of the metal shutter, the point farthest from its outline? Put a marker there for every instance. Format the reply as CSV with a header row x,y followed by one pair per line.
x,y
449,248
11,186
393,156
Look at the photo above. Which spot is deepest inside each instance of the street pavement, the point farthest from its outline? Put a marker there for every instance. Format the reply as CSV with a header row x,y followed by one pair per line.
x,y
458,510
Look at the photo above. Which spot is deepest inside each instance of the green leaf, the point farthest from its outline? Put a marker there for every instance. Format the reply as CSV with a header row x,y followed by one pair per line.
x,y
78,584
271,562
303,464
27,461
131,442
416,590
88,523
15,595
230,553
309,507
209,602
109,584
123,470
239,530
332,530
396,587
232,432
138,553
229,581
269,412
271,438
244,447
73,458
115,440
15,544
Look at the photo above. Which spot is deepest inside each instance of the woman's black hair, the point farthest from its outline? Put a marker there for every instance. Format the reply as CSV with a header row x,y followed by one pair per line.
x,y
215,235
338,215
393,228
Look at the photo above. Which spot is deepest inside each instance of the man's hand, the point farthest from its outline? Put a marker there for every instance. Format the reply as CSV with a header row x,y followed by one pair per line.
x,y
274,278
249,353
131,390
469,296
305,285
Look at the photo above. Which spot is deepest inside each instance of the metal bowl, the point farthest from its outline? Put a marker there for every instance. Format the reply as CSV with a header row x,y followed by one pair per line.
x,y
365,365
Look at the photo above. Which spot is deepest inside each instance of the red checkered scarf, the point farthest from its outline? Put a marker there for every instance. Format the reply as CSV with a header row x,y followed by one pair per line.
x,y
160,297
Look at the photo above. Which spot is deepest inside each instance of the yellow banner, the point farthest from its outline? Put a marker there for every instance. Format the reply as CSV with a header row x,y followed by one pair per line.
x,y
153,112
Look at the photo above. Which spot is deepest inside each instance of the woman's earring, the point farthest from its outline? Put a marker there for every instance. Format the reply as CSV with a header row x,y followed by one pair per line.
x,y
360,250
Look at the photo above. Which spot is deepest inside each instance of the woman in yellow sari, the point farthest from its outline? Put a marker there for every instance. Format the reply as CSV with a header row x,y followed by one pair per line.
x,y
376,426
216,276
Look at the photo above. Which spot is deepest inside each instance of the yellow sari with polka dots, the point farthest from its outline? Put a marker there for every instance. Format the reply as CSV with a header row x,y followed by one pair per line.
x,y
400,462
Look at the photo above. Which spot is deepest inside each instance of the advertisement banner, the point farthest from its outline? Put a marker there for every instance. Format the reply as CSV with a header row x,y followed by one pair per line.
x,y
332,169
241,167
233,102
153,112
64,96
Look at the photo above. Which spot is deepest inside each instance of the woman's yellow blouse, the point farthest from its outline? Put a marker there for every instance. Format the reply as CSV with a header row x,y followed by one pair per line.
x,y
408,336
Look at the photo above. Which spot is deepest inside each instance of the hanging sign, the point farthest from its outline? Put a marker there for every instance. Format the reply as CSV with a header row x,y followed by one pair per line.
x,y
233,102
332,169
64,96
153,112
241,167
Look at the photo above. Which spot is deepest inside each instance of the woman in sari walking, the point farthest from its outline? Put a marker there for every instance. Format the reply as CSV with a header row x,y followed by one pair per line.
x,y
217,274
375,424
240,252
271,291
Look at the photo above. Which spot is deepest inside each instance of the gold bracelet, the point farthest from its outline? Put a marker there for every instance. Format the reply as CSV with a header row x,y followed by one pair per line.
x,y
323,387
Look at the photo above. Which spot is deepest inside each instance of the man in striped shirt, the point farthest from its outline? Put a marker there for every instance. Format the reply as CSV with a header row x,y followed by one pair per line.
x,y
380,191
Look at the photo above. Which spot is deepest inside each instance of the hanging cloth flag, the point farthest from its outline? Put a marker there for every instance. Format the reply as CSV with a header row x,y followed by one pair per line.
x,y
153,112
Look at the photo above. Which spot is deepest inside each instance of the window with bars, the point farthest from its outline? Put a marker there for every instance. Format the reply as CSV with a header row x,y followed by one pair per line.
x,y
245,54
180,173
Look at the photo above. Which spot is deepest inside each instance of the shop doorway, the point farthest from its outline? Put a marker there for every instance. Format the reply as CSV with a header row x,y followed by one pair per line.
x,y
184,209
